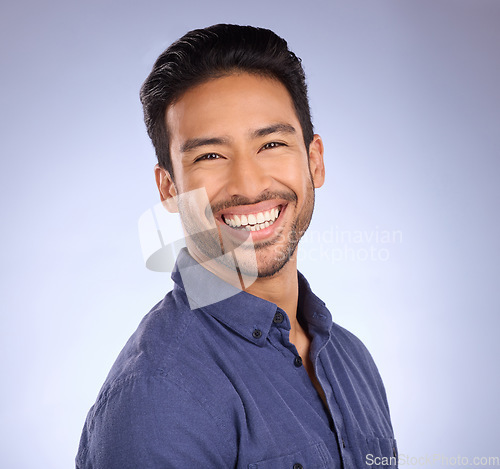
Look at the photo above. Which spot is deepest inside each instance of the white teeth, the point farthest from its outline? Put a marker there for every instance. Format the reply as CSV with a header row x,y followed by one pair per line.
x,y
253,221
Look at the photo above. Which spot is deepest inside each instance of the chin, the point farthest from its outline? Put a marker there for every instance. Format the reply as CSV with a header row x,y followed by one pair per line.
x,y
270,266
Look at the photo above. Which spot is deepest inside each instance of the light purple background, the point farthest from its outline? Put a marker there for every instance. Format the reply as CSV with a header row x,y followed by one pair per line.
x,y
406,96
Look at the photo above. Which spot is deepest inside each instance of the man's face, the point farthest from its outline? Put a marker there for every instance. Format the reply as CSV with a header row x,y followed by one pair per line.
x,y
240,139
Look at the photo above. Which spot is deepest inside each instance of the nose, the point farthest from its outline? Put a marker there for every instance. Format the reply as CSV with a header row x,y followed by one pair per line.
x,y
248,177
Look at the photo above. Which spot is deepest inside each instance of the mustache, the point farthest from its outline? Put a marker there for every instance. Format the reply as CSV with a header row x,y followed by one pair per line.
x,y
239,200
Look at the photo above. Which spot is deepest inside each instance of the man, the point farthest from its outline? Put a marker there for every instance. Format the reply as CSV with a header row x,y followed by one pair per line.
x,y
240,366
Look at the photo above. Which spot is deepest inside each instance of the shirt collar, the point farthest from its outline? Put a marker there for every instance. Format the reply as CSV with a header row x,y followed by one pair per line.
x,y
246,314
312,310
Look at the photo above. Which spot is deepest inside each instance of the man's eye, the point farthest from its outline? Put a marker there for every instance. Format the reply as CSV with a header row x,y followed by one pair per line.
x,y
208,156
270,145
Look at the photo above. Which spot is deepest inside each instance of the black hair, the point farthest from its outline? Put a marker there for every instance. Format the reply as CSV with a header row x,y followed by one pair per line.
x,y
212,52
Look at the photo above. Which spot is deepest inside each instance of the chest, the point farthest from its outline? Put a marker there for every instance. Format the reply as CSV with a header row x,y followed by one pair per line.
x,y
326,410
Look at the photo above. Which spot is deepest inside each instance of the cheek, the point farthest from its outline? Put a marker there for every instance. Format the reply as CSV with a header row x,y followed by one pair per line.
x,y
295,176
212,181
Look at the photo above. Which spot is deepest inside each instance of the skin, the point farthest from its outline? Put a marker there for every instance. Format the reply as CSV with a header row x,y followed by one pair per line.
x,y
239,137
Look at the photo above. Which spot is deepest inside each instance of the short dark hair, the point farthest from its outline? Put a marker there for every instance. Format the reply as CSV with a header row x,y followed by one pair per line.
x,y
213,52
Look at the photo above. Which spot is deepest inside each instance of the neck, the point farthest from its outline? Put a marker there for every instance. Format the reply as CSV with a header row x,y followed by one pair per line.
x,y
283,290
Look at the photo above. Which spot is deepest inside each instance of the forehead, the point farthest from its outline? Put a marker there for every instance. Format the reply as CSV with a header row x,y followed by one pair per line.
x,y
230,105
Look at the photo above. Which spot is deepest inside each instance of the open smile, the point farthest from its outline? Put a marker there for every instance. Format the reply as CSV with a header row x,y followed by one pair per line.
x,y
252,221
261,219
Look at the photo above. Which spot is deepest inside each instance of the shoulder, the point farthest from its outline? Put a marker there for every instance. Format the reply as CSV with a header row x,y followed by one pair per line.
x,y
356,361
154,344
172,349
153,403
350,345
348,339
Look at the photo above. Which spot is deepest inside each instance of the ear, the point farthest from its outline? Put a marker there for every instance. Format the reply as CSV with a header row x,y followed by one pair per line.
x,y
166,187
316,163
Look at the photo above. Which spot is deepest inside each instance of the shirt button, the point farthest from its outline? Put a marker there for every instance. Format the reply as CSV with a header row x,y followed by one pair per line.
x,y
257,334
297,465
297,362
278,318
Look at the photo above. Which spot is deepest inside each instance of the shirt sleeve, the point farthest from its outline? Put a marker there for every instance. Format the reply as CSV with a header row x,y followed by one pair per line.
x,y
153,423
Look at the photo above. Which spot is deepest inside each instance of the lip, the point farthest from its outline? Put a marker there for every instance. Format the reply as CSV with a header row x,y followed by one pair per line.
x,y
243,235
254,208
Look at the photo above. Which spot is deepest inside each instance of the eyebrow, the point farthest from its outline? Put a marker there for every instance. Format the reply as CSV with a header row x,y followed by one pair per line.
x,y
273,129
194,143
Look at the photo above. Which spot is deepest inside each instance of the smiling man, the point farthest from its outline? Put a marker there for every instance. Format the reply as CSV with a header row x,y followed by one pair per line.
x,y
259,376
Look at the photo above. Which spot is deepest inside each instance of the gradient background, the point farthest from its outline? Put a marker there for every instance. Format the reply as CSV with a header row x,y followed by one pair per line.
x,y
406,97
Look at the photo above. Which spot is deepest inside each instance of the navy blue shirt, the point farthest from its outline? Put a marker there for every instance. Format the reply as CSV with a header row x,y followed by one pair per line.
x,y
221,386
